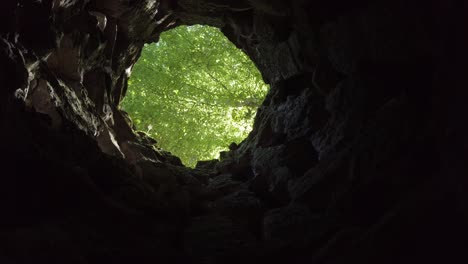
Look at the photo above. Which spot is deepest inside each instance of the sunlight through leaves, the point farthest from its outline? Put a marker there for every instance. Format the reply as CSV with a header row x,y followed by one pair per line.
x,y
194,92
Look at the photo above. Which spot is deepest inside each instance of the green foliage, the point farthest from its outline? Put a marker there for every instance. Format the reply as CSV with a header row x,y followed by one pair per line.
x,y
194,92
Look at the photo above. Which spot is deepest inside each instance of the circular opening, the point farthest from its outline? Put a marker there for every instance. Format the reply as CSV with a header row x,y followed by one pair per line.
x,y
194,92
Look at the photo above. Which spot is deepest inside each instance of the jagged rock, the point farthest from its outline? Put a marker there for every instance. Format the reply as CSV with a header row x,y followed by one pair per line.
x,y
108,144
224,184
146,139
169,157
203,175
239,166
265,159
206,164
363,129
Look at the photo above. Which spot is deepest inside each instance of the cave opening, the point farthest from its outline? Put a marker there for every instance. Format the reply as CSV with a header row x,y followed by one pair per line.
x,y
356,156
194,92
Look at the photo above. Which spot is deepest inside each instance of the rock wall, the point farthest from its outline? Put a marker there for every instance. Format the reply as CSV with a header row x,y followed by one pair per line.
x,y
357,154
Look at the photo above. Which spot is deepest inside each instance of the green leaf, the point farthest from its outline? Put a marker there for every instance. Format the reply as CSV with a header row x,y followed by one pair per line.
x,y
196,90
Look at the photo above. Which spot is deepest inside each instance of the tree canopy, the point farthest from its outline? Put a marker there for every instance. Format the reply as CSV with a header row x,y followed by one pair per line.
x,y
194,92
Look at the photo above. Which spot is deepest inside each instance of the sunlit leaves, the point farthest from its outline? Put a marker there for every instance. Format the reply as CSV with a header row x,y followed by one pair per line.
x,y
196,91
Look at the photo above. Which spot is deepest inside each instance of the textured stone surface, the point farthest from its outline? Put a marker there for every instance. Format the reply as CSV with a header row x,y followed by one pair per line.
x,y
361,139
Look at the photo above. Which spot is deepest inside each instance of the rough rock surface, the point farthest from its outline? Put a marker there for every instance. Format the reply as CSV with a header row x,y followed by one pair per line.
x,y
358,153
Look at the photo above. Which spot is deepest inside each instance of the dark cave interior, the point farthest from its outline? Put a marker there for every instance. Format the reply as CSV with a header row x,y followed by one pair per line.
x,y
358,153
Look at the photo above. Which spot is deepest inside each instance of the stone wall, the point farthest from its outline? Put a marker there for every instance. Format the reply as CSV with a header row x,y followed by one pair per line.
x,y
357,154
